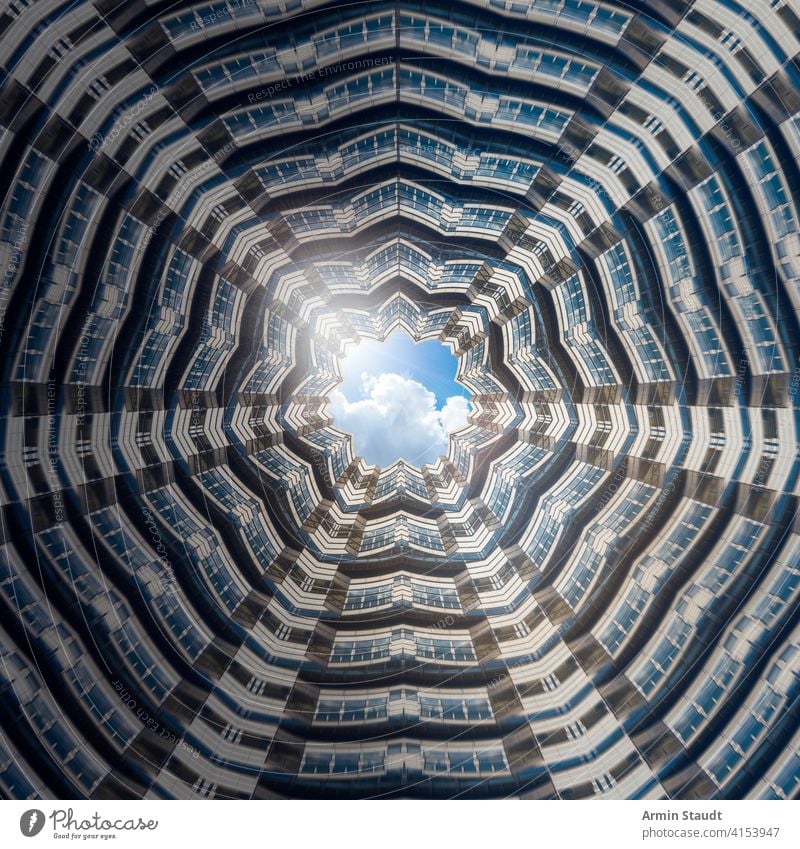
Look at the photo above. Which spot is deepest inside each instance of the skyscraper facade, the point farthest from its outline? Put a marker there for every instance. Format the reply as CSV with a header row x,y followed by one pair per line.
x,y
206,592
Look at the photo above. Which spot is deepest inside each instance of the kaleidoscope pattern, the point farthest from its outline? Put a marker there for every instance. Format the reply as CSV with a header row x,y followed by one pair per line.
x,y
206,592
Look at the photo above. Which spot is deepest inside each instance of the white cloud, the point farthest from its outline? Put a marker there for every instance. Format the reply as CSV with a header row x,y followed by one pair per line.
x,y
398,418
454,413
